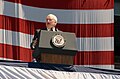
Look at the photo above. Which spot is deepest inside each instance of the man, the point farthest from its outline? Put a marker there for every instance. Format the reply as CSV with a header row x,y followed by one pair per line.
x,y
51,21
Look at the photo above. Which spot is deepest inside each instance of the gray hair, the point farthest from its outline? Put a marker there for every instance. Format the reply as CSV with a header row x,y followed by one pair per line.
x,y
55,18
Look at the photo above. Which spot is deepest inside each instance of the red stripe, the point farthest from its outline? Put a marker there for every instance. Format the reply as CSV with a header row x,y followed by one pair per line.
x,y
15,52
89,30
81,30
68,4
81,58
94,58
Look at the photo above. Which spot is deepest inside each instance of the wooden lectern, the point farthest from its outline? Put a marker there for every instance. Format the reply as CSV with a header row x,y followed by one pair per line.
x,y
57,47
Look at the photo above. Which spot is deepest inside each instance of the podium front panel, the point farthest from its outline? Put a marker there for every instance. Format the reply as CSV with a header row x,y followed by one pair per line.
x,y
46,36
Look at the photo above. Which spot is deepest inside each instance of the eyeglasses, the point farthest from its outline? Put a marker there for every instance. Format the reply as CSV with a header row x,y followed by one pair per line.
x,y
49,19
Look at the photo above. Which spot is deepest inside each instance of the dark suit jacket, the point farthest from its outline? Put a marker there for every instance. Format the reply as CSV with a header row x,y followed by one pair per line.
x,y
37,36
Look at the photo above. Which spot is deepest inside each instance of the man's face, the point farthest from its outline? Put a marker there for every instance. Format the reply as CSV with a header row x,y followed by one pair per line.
x,y
50,22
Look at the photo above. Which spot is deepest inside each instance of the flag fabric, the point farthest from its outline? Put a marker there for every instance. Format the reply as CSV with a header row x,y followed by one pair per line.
x,y
12,72
91,20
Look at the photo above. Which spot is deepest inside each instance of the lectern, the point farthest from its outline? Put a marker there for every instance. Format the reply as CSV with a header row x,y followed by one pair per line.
x,y
57,47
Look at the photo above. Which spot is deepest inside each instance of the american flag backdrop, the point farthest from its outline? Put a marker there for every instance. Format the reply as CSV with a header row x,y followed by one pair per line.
x,y
91,20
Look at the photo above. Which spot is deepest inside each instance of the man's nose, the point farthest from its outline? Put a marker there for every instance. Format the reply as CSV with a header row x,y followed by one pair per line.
x,y
48,20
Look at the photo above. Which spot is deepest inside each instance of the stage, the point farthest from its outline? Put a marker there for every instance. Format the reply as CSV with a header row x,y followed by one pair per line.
x,y
17,69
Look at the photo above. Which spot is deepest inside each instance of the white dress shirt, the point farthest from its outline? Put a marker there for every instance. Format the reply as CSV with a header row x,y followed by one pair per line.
x,y
53,29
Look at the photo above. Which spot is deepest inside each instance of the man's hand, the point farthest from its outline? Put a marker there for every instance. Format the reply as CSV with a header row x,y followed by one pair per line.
x,y
35,42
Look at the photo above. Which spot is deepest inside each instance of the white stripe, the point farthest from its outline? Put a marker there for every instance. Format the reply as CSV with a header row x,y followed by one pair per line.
x,y
84,44
96,44
99,66
8,59
15,38
64,16
1,7
9,72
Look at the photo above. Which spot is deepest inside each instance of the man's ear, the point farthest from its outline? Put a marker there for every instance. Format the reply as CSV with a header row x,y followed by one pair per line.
x,y
55,23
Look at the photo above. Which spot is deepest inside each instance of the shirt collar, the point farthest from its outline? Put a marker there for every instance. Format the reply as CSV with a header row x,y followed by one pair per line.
x,y
50,29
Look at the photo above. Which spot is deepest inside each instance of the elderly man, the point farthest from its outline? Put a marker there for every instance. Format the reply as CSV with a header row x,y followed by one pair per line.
x,y
51,21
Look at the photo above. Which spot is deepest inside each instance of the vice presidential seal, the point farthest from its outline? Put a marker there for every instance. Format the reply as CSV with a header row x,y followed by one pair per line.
x,y
58,40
